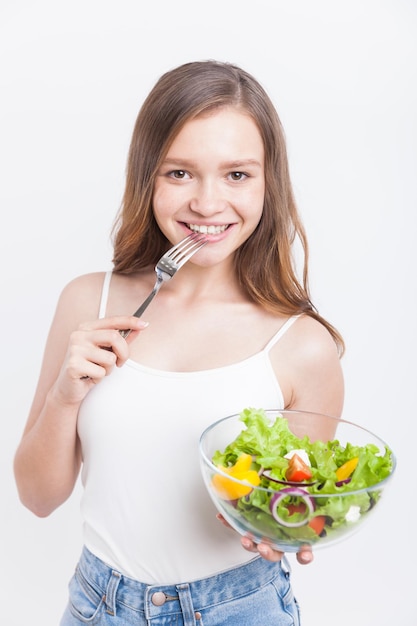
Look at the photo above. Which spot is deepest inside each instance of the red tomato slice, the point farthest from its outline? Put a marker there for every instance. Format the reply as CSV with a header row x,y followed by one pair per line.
x,y
317,523
298,471
296,508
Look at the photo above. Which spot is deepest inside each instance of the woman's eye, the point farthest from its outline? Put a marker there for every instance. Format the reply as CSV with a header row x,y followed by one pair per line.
x,y
178,174
236,176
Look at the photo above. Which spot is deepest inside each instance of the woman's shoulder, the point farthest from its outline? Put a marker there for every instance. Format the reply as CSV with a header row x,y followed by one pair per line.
x,y
307,363
85,281
314,335
82,294
308,340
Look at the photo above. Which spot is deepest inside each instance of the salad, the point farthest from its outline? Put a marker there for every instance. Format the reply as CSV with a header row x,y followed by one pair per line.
x,y
305,490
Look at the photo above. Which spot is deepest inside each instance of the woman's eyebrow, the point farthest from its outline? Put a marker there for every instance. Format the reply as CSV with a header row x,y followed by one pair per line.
x,y
239,163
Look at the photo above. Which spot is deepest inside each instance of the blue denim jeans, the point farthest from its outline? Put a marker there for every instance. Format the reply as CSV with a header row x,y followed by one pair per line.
x,y
257,593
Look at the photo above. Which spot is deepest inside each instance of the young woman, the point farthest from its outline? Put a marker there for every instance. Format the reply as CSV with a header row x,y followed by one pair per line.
x,y
235,328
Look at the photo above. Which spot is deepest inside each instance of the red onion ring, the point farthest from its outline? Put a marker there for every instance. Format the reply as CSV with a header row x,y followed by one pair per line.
x,y
291,491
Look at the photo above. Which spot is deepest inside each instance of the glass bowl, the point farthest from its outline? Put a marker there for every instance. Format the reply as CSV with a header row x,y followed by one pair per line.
x,y
291,478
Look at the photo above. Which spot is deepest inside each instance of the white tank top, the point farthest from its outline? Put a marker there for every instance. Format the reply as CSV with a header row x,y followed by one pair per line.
x,y
145,508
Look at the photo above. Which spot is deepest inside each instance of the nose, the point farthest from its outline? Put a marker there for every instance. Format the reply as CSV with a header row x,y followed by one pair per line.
x,y
207,199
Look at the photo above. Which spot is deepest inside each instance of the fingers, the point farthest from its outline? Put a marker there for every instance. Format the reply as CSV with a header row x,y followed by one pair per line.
x,y
120,322
222,520
97,347
304,556
90,361
264,549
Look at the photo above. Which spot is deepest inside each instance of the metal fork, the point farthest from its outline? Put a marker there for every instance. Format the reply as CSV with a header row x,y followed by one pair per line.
x,y
168,265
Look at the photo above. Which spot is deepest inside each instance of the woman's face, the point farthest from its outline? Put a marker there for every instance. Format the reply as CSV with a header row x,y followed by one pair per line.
x,y
212,181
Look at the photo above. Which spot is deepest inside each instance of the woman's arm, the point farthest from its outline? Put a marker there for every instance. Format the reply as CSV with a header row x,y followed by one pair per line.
x,y
307,366
308,369
77,356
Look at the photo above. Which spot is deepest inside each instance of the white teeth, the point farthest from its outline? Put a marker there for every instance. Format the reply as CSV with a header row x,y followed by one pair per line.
x,y
207,230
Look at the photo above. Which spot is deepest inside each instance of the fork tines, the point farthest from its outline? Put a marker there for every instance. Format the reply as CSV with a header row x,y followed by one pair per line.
x,y
186,248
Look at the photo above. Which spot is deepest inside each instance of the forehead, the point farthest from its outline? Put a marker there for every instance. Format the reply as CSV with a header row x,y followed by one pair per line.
x,y
222,127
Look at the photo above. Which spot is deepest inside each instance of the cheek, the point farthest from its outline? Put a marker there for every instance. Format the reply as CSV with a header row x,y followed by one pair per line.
x,y
167,199
161,201
253,205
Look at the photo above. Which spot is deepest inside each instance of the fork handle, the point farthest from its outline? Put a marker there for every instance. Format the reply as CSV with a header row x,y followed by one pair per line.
x,y
143,306
138,312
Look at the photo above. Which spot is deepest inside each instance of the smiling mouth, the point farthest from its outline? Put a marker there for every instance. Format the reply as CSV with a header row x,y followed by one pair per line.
x,y
208,230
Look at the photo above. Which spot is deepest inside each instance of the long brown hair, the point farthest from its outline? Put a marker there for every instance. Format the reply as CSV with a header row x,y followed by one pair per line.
x,y
264,263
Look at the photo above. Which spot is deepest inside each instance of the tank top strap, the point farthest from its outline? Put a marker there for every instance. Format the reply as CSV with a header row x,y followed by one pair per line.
x,y
104,294
290,321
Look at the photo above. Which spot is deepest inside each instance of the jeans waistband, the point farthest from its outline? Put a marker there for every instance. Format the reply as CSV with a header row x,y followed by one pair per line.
x,y
139,596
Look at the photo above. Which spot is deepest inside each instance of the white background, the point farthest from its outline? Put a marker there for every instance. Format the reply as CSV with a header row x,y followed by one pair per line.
x,y
342,75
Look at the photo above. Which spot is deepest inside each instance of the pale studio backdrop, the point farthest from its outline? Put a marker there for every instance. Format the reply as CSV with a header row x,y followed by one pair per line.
x,y
342,74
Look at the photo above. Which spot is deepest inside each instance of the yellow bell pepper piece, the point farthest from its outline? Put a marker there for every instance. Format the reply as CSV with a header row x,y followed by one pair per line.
x,y
230,490
345,470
